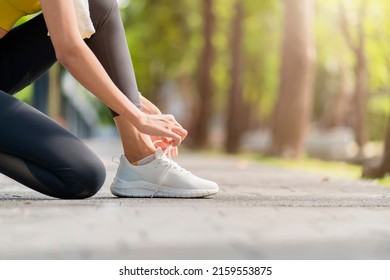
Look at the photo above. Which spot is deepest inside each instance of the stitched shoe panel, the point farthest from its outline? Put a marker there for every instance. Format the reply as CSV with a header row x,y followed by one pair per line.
x,y
160,178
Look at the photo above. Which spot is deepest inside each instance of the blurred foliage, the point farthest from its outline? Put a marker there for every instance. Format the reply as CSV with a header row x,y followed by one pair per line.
x,y
378,109
26,95
165,38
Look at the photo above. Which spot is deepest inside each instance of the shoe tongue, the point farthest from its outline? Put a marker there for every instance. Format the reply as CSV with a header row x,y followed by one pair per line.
x,y
159,153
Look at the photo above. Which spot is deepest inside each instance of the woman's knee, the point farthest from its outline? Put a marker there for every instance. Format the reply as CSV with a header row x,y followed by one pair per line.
x,y
87,180
94,176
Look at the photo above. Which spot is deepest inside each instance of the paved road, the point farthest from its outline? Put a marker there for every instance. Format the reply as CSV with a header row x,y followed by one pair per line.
x,y
261,213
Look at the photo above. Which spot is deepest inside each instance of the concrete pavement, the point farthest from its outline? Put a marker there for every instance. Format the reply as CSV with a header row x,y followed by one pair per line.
x,y
261,212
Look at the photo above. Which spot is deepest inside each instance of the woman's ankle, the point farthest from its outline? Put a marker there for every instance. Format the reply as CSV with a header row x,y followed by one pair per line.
x,y
136,155
136,145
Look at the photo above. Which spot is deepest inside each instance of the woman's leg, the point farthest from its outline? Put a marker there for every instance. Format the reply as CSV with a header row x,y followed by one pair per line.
x,y
26,53
34,150
37,152
110,47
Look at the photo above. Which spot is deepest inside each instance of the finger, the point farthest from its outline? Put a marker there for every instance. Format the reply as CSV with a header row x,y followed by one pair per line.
x,y
181,132
185,135
172,120
175,138
171,117
175,134
176,142
174,152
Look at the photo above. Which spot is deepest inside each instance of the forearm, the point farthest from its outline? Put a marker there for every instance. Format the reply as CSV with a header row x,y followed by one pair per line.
x,y
85,67
79,60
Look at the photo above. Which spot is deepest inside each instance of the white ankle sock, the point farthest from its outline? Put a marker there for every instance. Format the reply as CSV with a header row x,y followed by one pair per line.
x,y
144,161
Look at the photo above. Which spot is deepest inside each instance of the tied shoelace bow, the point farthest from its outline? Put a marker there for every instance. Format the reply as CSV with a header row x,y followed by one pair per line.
x,y
166,159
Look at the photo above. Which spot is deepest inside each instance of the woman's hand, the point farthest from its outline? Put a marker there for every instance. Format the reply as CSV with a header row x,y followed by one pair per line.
x,y
161,125
158,141
163,143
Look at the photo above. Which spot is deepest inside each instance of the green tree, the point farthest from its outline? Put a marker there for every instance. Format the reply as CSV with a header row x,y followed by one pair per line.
x,y
160,35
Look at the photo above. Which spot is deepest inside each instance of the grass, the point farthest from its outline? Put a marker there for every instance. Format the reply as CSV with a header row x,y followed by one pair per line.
x,y
326,168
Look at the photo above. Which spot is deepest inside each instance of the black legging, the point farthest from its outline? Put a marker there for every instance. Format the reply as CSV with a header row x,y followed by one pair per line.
x,y
34,150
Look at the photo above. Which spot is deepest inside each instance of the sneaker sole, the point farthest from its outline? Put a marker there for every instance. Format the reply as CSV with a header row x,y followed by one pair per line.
x,y
143,189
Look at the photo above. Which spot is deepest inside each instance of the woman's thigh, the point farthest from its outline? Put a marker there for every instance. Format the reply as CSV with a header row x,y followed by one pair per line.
x,y
26,52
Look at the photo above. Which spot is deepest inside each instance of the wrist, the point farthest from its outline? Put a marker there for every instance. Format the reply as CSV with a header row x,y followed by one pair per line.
x,y
151,111
133,116
139,119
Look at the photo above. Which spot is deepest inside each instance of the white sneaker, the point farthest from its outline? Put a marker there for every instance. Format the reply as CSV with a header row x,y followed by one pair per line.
x,y
160,178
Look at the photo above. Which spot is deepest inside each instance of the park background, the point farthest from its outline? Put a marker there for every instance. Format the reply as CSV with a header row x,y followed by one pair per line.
x,y
295,83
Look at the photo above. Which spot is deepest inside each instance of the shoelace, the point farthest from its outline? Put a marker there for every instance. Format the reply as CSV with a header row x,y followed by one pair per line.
x,y
170,164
